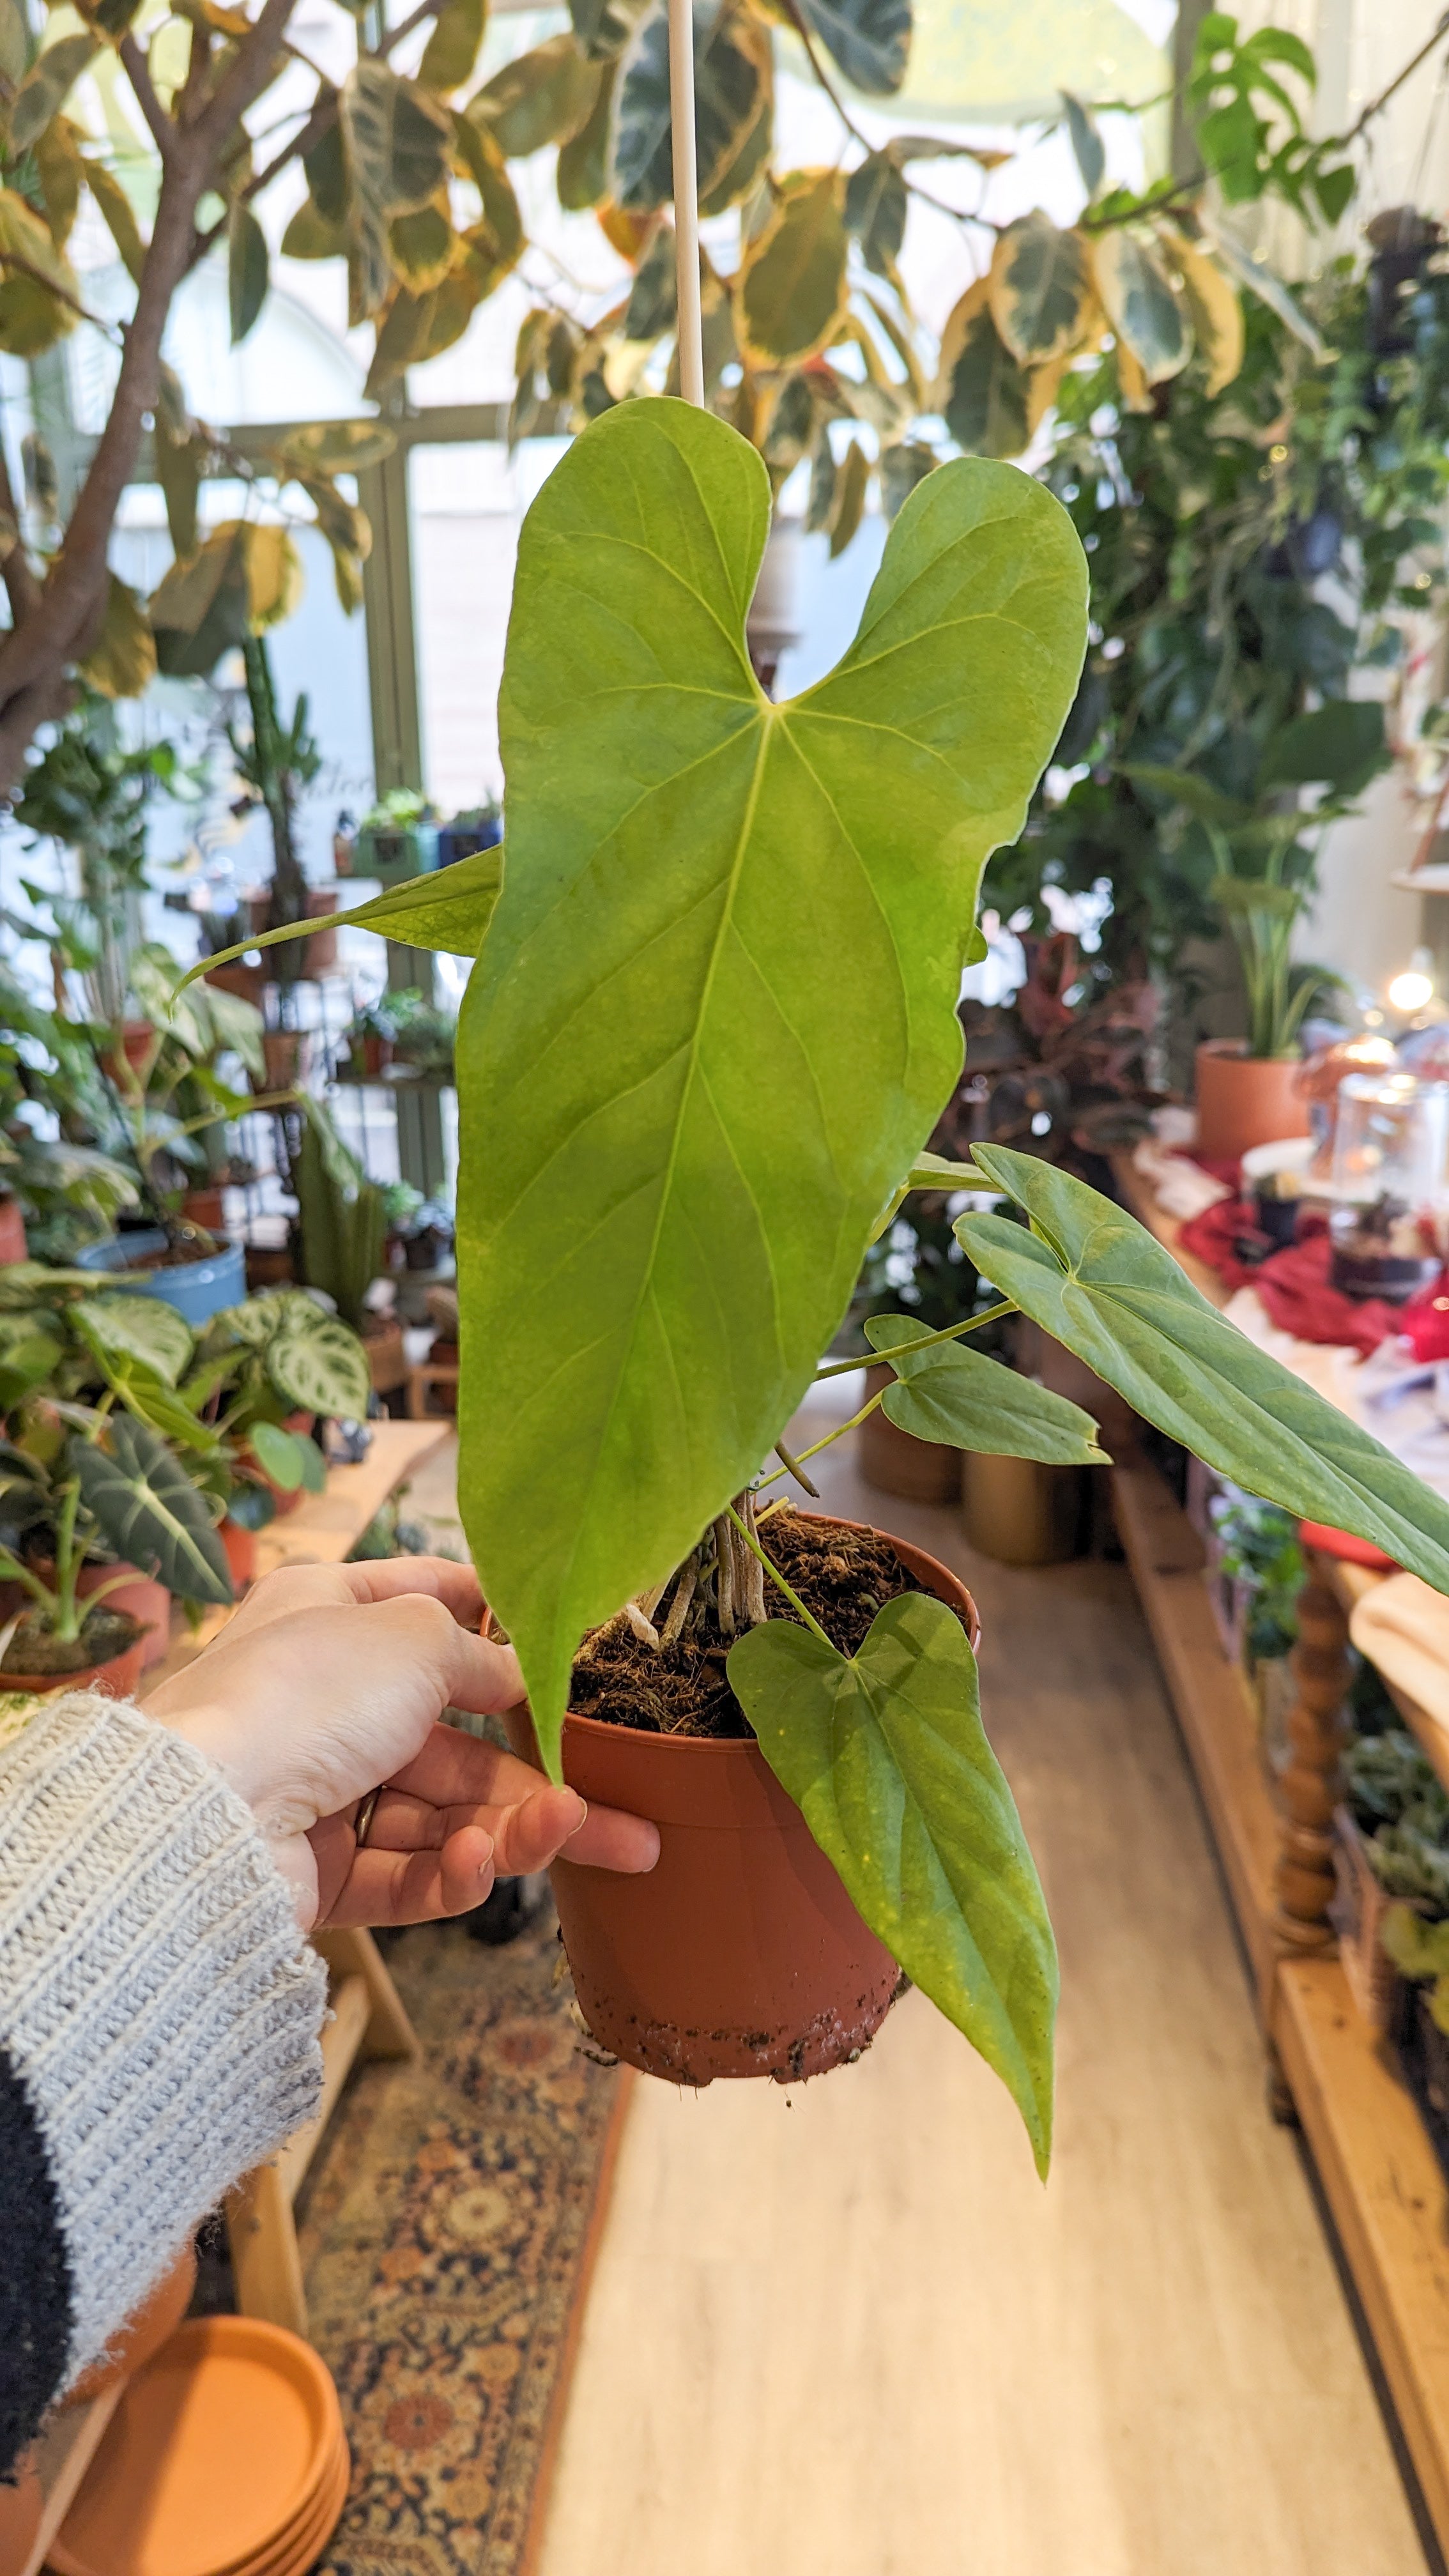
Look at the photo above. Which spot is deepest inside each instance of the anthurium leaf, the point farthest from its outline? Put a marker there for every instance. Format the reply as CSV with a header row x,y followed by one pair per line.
x,y
146,1328
959,1396
322,1366
1040,289
791,290
46,87
936,1172
715,1018
870,39
885,1755
450,910
278,1453
1139,302
150,1511
982,390
731,75
1095,1279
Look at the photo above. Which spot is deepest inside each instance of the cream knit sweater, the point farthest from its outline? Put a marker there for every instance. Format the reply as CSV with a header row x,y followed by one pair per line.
x,y
159,2020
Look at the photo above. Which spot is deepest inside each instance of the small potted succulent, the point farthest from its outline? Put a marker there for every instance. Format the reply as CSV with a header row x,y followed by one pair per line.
x,y
710,1025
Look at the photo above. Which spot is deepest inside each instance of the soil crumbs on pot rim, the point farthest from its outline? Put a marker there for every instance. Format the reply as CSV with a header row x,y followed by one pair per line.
x,y
844,1576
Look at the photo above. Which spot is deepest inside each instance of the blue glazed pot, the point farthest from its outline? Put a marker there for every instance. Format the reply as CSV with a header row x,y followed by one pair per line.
x,y
197,1289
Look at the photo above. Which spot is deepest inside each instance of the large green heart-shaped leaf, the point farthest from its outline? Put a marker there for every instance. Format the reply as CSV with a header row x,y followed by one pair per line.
x,y
1090,1275
150,1511
715,1018
960,1396
885,1756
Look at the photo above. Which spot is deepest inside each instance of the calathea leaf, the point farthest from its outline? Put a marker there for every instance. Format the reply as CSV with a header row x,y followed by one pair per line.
x,y
870,39
740,1023
982,391
885,1755
448,912
1041,289
875,211
537,99
46,87
790,296
1098,1281
731,69
1138,300
150,1512
321,1366
953,1394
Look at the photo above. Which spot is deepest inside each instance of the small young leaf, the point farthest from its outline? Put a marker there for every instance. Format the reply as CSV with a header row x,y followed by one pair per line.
x,y
1096,1280
150,1511
959,1396
885,1755
247,269
278,1453
1040,289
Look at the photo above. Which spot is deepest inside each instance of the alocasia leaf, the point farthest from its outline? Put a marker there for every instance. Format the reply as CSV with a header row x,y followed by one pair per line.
x,y
151,1512
885,1755
1095,1279
715,1018
960,1396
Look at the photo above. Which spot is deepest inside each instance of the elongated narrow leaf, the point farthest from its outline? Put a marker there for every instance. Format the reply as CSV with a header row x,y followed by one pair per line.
x,y
1086,140
151,1512
1139,302
731,76
715,1018
1041,289
452,48
1216,308
247,266
450,911
875,210
885,1755
1095,1279
956,1395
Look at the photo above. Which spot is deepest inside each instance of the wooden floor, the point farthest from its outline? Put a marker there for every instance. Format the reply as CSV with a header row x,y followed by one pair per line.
x,y
842,2331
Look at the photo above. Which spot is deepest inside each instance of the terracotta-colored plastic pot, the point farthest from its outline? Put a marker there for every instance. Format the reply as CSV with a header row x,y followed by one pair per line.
x,y
138,1044
740,1952
205,1207
1245,1100
21,2507
241,1553
12,1228
376,1056
896,1462
118,1677
144,2332
249,983
140,1596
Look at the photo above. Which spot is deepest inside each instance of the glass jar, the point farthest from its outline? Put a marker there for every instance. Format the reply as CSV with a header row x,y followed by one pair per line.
x,y
1390,1178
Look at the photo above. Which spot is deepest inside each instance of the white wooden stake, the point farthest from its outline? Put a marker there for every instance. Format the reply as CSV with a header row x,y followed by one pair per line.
x,y
686,199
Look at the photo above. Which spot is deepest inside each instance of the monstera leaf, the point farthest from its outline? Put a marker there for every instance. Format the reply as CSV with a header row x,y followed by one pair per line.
x,y
884,1753
150,1511
1095,1279
715,1017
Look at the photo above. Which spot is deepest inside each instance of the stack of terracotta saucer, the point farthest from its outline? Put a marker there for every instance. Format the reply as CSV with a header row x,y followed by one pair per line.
x,y
225,2457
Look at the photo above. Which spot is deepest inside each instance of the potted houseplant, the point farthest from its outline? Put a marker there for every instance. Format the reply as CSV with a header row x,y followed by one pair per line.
x,y
711,1023
368,1041
397,838
916,1271
343,1218
478,827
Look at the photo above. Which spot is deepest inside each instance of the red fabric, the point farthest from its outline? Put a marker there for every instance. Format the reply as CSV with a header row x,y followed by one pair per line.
x,y
1295,1288
1355,1551
1212,1238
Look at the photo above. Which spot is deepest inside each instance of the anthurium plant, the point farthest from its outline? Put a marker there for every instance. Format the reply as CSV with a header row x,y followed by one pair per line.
x,y
711,1023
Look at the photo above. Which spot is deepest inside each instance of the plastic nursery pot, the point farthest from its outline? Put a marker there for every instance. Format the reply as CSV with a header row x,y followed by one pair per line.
x,y
197,1289
896,1462
21,2507
118,1677
740,1952
240,1546
1245,1100
140,1596
143,2333
1019,1512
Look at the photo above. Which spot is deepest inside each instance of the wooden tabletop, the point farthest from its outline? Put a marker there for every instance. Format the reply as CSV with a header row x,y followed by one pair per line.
x,y
1139,1201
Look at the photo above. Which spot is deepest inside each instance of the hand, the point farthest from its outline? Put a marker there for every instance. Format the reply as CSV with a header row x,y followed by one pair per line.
x,y
329,1682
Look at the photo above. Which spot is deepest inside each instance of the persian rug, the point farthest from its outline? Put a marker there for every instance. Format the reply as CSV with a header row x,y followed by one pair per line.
x,y
447,2237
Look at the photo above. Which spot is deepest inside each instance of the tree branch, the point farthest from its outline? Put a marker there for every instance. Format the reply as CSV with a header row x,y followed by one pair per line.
x,y
22,588
163,132
245,81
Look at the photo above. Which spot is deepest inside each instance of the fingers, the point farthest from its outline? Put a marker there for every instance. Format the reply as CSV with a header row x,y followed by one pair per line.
x,y
330,1587
470,1672
454,1770
386,1887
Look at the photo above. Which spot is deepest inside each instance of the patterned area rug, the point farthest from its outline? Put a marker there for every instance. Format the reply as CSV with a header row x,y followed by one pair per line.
x,y
446,2239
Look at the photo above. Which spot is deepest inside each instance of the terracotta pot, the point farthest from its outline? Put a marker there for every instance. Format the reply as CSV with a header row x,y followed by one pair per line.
x,y
284,1056
376,1056
118,1678
248,983
896,1462
241,1554
1245,1100
12,1229
1063,1373
205,1207
1019,1512
319,954
20,2511
740,1952
138,1040
144,2332
140,1596
269,1265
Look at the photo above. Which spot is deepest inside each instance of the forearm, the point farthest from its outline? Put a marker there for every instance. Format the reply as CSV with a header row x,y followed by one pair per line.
x,y
159,2013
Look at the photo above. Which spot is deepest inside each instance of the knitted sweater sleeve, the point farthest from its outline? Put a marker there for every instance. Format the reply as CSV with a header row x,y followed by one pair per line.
x,y
159,2021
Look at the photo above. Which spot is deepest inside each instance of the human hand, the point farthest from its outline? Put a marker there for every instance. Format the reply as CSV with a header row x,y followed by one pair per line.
x,y
329,1682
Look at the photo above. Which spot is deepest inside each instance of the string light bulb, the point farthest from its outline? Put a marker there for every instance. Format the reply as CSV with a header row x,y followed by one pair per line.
x,y
1413,989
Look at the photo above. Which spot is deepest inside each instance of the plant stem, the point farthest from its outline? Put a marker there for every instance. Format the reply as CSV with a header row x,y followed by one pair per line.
x,y
838,1433
776,1577
949,1333
67,1565
793,1465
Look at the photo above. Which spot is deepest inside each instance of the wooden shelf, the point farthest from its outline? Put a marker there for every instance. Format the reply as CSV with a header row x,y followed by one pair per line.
x,y
1214,1710
1383,2184
62,2456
